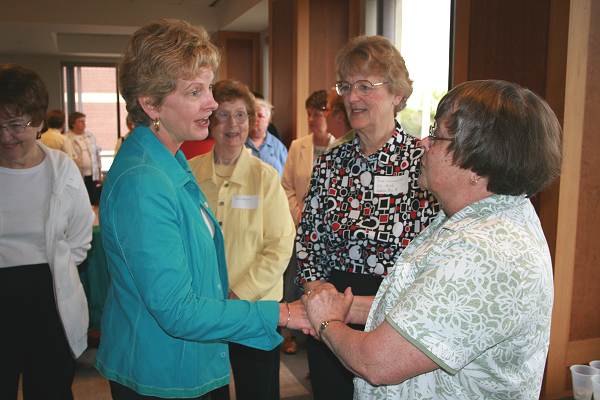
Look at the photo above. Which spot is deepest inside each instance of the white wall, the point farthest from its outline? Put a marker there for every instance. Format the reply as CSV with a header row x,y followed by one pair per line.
x,y
49,69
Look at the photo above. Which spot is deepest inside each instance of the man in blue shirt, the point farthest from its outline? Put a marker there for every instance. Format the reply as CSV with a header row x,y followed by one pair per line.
x,y
262,143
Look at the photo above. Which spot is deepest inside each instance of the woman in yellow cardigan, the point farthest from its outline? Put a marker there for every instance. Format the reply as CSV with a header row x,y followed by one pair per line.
x,y
247,199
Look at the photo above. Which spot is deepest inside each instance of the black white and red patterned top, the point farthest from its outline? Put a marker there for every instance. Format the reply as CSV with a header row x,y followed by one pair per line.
x,y
362,211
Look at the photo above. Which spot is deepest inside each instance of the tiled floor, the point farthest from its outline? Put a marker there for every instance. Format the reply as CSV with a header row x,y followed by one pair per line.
x,y
89,385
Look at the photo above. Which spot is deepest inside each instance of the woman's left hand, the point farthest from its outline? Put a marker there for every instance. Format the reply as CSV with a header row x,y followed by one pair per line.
x,y
325,303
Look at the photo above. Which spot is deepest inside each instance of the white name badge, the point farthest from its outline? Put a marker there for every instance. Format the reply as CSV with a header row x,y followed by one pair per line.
x,y
244,201
391,184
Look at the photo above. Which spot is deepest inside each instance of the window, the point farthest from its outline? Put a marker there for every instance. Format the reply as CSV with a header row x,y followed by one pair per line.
x,y
421,31
92,90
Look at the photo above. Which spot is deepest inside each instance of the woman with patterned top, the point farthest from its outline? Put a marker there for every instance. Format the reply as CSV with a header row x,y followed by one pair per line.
x,y
364,204
465,313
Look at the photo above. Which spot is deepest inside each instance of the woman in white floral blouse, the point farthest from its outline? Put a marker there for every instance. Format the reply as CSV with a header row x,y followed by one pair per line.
x,y
465,312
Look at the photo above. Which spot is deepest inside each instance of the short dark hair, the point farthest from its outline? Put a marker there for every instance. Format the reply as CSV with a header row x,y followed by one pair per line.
x,y
74,116
230,90
317,100
503,132
55,119
22,91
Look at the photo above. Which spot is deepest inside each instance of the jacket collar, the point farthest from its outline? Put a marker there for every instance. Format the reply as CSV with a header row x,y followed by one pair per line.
x,y
175,167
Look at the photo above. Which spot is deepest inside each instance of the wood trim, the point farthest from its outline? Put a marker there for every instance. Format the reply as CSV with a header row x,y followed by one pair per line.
x,y
222,38
356,12
462,16
583,351
575,97
556,64
301,74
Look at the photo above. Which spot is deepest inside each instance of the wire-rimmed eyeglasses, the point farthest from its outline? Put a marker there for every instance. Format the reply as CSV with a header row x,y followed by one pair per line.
x,y
363,86
15,127
434,134
238,116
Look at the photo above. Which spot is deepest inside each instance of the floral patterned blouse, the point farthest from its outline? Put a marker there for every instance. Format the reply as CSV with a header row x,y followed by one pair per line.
x,y
474,293
362,211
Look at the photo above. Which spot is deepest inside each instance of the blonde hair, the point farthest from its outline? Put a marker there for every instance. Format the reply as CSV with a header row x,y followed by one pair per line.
x,y
376,55
157,55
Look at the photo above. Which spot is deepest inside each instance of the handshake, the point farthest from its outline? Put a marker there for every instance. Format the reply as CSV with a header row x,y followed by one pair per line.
x,y
322,302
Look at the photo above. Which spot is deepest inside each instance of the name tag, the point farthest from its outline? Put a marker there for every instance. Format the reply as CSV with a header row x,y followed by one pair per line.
x,y
244,201
391,184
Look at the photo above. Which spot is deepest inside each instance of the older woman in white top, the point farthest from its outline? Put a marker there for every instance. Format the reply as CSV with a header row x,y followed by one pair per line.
x,y
45,231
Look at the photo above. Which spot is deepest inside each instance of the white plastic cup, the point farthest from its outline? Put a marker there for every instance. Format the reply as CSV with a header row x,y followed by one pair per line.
x,y
595,364
582,382
596,386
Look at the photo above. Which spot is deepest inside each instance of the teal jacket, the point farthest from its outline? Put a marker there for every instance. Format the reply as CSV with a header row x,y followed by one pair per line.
x,y
166,321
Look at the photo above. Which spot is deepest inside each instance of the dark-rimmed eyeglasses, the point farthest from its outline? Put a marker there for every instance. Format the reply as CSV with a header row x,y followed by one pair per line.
x,y
14,128
239,116
433,134
363,87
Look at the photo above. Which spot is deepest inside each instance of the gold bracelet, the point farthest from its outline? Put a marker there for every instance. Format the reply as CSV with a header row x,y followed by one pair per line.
x,y
289,314
325,324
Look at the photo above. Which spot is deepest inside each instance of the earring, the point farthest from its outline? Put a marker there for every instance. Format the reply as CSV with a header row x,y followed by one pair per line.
x,y
474,180
156,125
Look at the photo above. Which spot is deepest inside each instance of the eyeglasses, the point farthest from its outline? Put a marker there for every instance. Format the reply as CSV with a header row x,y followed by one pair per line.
x,y
15,128
239,116
363,87
433,134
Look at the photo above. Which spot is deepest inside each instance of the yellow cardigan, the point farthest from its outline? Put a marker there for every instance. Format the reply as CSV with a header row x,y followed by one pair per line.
x,y
253,212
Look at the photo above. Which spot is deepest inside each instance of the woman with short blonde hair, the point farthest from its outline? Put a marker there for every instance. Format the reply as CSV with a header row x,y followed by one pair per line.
x,y
167,320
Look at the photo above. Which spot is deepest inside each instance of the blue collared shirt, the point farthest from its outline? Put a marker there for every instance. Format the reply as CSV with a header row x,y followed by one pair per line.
x,y
272,151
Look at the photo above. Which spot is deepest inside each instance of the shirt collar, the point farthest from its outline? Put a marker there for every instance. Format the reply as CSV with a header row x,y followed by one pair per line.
x,y
240,172
382,156
267,142
480,209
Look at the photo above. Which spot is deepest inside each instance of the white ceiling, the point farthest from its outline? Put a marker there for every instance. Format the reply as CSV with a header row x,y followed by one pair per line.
x,y
102,27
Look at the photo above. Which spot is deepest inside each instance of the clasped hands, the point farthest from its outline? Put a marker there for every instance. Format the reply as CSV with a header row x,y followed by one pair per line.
x,y
320,303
